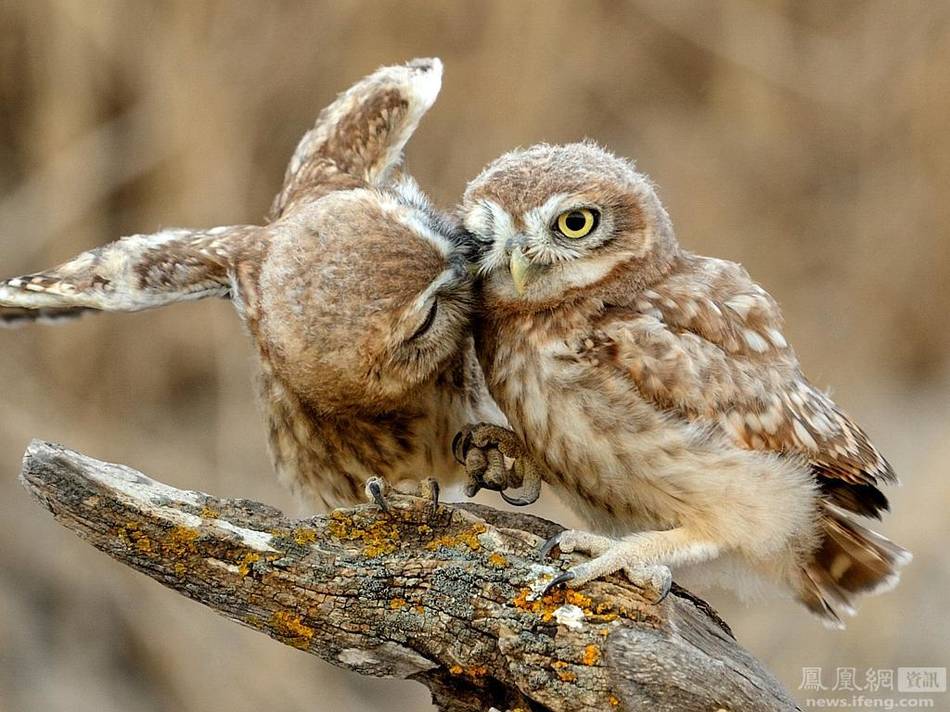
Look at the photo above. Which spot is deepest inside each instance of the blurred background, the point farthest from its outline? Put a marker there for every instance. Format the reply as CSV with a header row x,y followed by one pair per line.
x,y
806,139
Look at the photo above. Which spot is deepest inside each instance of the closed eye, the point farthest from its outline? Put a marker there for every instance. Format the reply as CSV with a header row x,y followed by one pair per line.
x,y
427,322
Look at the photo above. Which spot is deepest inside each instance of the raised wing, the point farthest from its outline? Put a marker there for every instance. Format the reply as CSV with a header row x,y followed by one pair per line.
x,y
131,274
360,137
707,344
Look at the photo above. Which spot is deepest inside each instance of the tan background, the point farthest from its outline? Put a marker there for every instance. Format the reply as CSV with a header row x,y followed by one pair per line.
x,y
808,140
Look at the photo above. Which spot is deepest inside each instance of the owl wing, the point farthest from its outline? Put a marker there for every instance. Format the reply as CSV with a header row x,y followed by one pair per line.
x,y
360,137
131,274
717,356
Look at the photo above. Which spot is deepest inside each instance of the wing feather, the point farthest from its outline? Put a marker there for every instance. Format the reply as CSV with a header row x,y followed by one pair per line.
x,y
360,137
715,353
131,274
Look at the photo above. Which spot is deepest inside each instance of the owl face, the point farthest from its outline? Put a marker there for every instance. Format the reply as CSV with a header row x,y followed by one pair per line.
x,y
550,221
365,296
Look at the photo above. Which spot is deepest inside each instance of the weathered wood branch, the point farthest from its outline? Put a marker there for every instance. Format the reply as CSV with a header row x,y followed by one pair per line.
x,y
441,595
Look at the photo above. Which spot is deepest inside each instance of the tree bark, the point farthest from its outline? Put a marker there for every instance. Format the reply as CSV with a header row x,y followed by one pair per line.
x,y
446,595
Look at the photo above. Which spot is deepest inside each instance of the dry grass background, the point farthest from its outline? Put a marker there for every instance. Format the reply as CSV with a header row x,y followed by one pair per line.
x,y
807,140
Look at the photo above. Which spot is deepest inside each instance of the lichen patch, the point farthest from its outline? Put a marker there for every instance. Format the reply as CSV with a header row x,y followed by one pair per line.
x,y
291,629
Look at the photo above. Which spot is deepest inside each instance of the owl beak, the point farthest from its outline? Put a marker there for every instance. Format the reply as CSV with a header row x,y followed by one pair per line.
x,y
522,271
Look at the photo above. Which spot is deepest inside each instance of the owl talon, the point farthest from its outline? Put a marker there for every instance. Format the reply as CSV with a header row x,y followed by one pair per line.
x,y
430,489
375,489
531,481
548,546
434,490
461,444
561,578
518,501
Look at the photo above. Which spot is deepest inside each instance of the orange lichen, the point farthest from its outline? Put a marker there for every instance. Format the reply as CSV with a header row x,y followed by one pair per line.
x,y
291,629
471,671
476,671
497,560
591,655
126,533
380,538
614,702
397,603
545,606
130,535
180,542
248,562
467,538
305,535
209,513
565,675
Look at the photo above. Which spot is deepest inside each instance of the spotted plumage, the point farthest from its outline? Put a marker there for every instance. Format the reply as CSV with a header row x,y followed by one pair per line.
x,y
658,390
356,293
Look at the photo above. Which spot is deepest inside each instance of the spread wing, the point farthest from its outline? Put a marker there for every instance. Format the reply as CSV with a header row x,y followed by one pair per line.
x,y
707,345
131,274
360,137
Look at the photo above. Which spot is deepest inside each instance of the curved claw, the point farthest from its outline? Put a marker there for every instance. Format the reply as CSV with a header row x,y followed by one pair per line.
x,y
532,490
549,545
557,581
458,446
518,501
664,591
376,490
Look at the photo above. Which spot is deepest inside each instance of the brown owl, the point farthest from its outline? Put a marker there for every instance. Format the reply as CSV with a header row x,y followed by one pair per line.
x,y
656,389
356,293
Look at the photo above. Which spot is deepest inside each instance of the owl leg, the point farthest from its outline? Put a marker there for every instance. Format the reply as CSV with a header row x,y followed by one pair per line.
x,y
645,557
483,449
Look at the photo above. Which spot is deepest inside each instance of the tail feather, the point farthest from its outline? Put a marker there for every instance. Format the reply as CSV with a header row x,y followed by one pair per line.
x,y
851,560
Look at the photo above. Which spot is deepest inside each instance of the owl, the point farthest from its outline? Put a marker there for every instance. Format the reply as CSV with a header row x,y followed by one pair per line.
x,y
356,293
655,389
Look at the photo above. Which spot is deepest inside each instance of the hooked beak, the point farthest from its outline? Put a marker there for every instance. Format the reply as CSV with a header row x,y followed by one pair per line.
x,y
522,271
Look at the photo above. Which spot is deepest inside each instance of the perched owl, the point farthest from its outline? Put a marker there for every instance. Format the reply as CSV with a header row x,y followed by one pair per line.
x,y
655,388
356,293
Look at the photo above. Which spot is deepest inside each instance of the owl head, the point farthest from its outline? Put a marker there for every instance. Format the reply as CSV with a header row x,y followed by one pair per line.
x,y
550,222
365,295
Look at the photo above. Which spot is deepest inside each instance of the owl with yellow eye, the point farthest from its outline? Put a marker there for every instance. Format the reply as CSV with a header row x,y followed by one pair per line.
x,y
657,392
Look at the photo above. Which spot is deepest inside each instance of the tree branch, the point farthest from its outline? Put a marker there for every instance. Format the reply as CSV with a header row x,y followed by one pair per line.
x,y
441,595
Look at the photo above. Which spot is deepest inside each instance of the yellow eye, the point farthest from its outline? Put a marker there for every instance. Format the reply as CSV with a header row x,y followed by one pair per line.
x,y
577,223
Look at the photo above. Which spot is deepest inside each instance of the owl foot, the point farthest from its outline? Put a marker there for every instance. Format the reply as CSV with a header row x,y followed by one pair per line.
x,y
376,489
482,449
610,556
